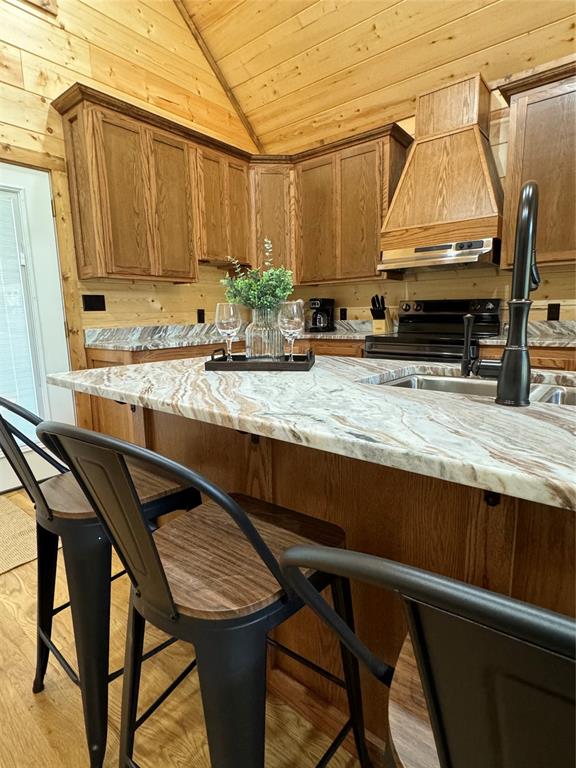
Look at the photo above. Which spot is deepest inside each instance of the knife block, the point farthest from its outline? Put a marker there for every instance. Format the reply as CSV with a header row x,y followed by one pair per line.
x,y
383,325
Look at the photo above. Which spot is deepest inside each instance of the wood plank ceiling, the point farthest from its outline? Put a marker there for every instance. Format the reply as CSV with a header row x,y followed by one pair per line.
x,y
305,72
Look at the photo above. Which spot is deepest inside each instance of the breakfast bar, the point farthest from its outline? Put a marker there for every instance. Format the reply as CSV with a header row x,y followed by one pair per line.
x,y
448,482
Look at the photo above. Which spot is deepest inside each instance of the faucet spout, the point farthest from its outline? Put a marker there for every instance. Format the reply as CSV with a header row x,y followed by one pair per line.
x,y
514,379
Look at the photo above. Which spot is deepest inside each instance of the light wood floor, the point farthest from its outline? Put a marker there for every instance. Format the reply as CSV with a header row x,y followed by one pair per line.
x,y
47,731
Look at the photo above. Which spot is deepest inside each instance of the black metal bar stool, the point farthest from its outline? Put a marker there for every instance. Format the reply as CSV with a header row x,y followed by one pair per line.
x,y
499,675
210,577
63,511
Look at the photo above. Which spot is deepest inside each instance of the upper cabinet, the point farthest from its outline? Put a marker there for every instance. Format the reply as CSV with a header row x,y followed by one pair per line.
x,y
133,194
272,190
151,198
176,226
342,196
317,220
224,207
542,148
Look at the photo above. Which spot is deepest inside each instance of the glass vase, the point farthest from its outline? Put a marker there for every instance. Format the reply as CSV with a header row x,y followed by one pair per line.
x,y
263,337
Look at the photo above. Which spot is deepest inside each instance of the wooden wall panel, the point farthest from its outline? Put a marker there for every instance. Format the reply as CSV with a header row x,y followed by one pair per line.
x,y
310,72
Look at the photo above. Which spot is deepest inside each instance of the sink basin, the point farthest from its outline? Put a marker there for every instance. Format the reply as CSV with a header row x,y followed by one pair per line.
x,y
539,393
459,386
560,396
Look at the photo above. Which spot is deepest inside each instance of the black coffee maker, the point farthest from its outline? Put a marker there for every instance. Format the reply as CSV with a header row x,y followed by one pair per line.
x,y
321,316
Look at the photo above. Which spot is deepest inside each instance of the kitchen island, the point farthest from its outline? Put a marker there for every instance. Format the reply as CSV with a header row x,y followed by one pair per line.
x,y
448,482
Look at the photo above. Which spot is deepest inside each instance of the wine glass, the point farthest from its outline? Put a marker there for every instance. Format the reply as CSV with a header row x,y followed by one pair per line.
x,y
228,322
291,322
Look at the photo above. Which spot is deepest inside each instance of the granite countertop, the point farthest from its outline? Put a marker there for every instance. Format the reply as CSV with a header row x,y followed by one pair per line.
x,y
337,406
545,333
141,338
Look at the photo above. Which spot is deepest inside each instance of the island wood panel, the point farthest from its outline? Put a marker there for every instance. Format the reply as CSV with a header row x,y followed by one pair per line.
x,y
542,148
425,522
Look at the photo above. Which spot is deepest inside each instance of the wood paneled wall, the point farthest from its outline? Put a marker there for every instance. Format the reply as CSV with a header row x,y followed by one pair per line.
x,y
311,71
142,52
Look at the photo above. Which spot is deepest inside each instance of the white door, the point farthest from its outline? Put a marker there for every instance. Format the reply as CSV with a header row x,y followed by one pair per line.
x,y
32,330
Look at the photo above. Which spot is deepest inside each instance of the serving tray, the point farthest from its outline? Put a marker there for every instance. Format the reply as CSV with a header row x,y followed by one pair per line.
x,y
218,362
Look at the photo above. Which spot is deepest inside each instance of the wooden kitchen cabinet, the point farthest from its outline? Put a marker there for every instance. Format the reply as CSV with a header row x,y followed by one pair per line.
x,y
553,358
271,188
124,194
360,173
149,196
134,207
316,258
542,147
224,207
339,347
342,195
176,225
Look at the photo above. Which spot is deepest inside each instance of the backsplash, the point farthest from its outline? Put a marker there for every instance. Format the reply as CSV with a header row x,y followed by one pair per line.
x,y
557,286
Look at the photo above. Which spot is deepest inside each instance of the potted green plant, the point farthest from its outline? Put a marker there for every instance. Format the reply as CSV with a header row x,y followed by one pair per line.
x,y
262,290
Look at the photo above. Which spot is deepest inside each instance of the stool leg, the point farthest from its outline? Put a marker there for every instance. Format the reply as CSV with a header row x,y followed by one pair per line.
x,y
342,597
232,670
88,556
47,550
131,685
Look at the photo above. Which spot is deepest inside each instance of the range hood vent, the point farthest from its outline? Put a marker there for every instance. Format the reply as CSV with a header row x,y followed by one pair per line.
x,y
449,194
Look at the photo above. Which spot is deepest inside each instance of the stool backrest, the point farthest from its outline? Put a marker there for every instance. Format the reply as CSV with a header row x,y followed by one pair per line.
x,y
499,675
9,437
99,465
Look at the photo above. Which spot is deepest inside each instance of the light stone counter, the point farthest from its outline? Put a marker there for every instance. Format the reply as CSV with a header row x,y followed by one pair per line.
x,y
142,338
529,453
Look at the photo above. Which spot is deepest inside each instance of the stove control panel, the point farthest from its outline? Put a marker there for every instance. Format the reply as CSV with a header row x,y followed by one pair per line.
x,y
454,307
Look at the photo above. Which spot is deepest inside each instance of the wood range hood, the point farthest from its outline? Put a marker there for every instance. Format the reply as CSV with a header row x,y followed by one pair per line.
x,y
447,208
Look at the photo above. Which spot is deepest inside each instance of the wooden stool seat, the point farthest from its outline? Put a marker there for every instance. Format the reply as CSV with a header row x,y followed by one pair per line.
x,y
65,498
212,569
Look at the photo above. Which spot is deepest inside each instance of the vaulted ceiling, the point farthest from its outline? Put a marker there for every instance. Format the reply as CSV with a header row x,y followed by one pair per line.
x,y
306,72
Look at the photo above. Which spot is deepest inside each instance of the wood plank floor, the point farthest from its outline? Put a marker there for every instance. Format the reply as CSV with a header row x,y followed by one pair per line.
x,y
47,731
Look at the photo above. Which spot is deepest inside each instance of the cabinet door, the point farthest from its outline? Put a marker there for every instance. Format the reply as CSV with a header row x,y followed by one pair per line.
x,y
172,168
213,205
124,189
317,241
542,147
359,170
272,212
237,211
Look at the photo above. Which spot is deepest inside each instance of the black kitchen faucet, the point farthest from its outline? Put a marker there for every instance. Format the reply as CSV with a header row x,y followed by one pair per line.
x,y
513,369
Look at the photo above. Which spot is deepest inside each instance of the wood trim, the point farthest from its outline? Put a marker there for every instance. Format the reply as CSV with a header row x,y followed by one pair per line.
x,y
526,81
67,262
28,157
487,226
189,21
79,92
392,130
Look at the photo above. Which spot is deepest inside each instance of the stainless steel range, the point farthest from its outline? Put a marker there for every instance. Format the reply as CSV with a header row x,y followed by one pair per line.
x,y
433,330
